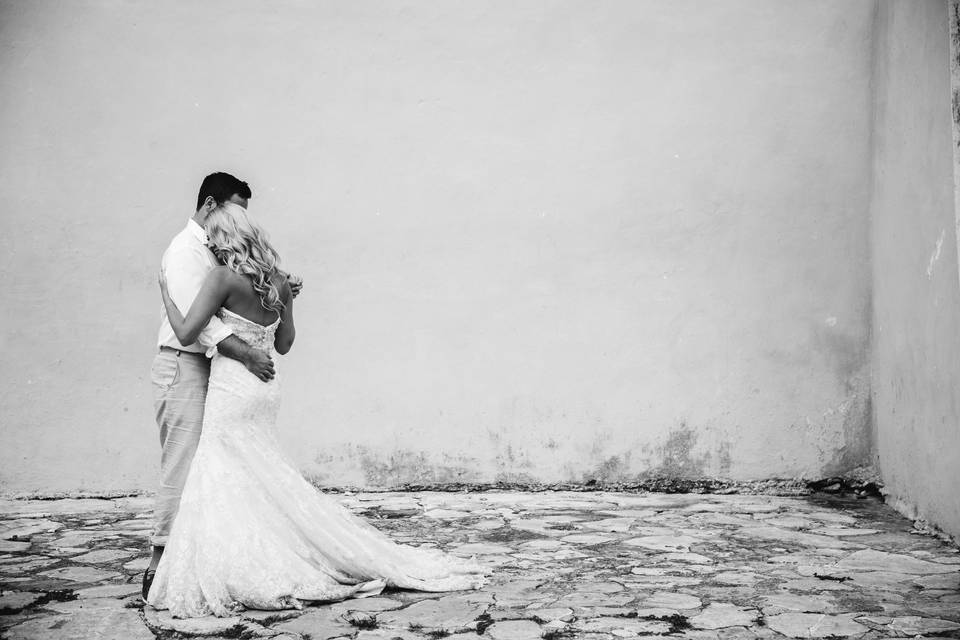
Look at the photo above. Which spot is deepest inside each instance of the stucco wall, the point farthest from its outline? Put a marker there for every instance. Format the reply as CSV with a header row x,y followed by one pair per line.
x,y
550,241
916,374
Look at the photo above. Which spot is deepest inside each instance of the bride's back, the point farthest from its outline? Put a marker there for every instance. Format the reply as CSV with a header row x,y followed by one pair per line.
x,y
243,300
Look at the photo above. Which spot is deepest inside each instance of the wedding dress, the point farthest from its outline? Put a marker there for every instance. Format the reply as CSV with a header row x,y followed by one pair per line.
x,y
251,532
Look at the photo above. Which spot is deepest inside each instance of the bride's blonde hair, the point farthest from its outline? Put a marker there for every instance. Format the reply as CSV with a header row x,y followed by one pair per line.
x,y
240,243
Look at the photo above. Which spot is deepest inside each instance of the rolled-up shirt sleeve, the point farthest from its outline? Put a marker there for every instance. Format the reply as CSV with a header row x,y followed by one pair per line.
x,y
186,270
213,334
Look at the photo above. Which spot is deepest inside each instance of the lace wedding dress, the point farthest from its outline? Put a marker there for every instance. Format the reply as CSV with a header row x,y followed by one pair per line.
x,y
251,532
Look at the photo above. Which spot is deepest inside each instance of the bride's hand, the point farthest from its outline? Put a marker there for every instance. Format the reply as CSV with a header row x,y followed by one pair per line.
x,y
296,284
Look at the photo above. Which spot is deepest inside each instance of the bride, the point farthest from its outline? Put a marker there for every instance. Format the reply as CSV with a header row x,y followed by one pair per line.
x,y
250,531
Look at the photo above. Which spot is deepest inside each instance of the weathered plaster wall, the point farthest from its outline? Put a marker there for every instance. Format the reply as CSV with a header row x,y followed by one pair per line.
x,y
916,308
551,241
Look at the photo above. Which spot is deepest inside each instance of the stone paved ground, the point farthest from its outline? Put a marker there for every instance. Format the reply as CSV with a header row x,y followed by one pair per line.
x,y
565,565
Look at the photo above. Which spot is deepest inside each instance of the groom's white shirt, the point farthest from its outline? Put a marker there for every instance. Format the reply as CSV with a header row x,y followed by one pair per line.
x,y
186,263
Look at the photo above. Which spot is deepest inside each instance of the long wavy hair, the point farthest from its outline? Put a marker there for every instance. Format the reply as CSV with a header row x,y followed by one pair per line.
x,y
240,243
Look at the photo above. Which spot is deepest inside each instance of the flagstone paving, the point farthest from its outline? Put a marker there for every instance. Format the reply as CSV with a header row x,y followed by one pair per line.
x,y
597,565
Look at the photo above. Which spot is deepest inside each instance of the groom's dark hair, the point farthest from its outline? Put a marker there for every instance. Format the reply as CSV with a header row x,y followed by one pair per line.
x,y
220,186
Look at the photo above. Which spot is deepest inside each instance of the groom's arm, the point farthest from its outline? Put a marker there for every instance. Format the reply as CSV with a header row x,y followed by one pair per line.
x,y
256,361
186,271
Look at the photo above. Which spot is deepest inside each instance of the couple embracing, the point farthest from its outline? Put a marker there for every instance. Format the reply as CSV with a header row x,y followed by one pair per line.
x,y
235,524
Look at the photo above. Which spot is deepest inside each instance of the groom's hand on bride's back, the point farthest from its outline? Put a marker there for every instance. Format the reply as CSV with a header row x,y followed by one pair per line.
x,y
259,364
256,361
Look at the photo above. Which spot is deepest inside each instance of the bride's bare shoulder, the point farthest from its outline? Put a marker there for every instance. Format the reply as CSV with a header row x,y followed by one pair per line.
x,y
223,272
226,277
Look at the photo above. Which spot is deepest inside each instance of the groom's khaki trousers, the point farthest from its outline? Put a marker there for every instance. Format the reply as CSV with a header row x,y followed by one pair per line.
x,y
179,391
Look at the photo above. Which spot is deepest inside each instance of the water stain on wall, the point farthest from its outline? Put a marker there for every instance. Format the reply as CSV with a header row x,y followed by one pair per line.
x,y
516,478
681,456
848,356
404,466
611,469
856,429
676,456
724,458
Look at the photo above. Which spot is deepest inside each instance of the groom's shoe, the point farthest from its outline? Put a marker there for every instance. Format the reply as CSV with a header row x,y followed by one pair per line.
x,y
147,581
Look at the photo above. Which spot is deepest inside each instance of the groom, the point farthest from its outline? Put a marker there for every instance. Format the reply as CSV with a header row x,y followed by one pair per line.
x,y
180,372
